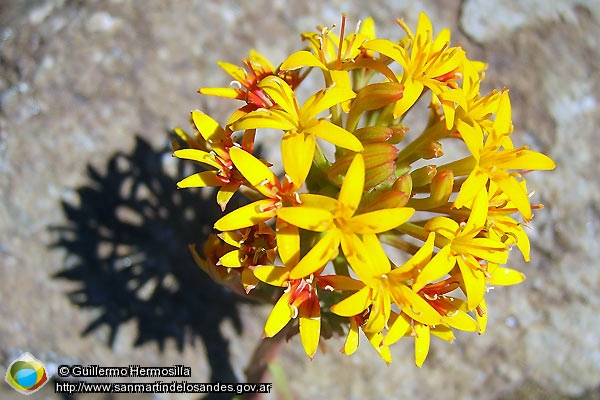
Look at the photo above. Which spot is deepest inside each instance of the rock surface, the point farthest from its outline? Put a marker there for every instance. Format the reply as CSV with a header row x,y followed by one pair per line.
x,y
88,92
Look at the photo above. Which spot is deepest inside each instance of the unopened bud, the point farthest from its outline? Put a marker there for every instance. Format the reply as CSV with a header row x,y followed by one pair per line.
x,y
386,199
372,97
403,184
377,134
440,188
380,164
431,150
423,176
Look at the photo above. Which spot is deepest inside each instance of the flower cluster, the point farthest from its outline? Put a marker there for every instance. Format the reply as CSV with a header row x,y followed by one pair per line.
x,y
355,191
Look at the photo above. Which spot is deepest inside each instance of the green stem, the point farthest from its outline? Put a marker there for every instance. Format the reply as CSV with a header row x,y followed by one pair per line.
x,y
414,230
411,152
263,354
461,167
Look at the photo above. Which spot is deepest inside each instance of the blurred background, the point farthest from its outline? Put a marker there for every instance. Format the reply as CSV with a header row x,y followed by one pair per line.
x,y
94,262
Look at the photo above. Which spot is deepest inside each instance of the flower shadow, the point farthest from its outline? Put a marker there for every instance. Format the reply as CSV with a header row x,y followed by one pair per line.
x,y
126,245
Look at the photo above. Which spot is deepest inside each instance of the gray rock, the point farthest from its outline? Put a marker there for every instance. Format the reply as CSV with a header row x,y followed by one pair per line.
x,y
80,80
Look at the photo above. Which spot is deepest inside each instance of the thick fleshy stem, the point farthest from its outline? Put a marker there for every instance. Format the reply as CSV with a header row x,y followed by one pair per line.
x,y
264,353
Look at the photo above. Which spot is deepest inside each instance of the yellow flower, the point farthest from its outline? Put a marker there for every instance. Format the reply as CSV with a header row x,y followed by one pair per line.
x,y
261,178
382,285
461,245
335,217
491,159
299,300
427,62
252,246
332,54
256,67
219,143
473,111
300,124
501,226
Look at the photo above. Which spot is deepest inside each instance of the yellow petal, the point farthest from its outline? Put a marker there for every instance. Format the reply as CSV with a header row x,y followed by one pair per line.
x,y
443,332
310,218
339,282
232,238
505,277
381,220
288,242
236,72
380,312
231,259
325,250
352,187
462,321
201,179
319,201
301,59
263,118
528,160
297,151
503,120
226,193
479,211
254,170
376,340
380,264
515,192
446,227
472,135
249,281
351,343
388,48
210,129
353,304
197,155
487,249
310,330
474,281
272,274
412,91
400,327
325,99
281,314
336,135
248,215
419,260
474,184
281,93
356,254
439,266
414,305
422,340
228,93
260,61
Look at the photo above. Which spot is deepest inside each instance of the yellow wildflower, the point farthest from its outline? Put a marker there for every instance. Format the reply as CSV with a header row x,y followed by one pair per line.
x,y
462,245
332,54
260,177
300,124
427,62
493,158
219,143
337,220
